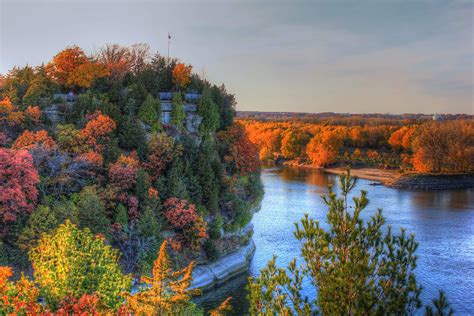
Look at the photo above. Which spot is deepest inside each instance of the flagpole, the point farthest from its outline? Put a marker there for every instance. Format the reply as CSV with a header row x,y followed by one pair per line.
x,y
169,38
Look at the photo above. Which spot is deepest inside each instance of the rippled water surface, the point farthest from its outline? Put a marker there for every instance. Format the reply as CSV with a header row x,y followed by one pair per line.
x,y
442,221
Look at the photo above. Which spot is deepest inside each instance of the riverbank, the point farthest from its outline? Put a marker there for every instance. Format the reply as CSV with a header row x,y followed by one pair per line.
x,y
405,181
225,268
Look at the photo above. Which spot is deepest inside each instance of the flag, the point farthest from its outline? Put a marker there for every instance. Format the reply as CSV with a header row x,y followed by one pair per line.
x,y
169,36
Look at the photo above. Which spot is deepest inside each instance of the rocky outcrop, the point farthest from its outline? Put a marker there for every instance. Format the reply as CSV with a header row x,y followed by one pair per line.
x,y
225,268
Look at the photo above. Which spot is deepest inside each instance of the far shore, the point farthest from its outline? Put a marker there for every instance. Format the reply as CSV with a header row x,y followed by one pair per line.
x,y
406,181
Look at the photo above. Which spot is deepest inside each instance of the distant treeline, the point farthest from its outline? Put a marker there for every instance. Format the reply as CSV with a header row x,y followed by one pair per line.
x,y
348,118
445,146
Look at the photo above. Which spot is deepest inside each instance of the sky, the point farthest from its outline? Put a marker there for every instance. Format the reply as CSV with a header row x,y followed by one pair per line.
x,y
362,56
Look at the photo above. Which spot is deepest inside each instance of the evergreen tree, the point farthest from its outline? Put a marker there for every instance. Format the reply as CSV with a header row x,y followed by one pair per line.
x,y
176,186
177,113
41,221
207,177
207,109
92,212
142,186
150,112
357,268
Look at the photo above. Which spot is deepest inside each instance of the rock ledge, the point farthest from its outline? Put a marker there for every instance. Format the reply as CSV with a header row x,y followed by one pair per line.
x,y
225,268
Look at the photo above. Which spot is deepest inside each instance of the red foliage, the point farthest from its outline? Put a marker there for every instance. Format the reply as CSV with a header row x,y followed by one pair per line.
x,y
160,148
123,173
180,213
92,158
241,153
18,179
29,140
84,306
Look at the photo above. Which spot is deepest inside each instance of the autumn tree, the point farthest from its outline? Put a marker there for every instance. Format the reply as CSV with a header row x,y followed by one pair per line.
x,y
239,153
117,59
167,292
444,147
323,148
181,75
123,173
70,262
358,267
18,179
29,140
402,138
293,144
72,68
18,298
160,154
97,130
183,217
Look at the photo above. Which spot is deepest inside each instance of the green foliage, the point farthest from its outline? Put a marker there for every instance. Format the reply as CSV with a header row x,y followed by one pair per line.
x,y
142,186
150,112
177,113
92,212
121,215
212,252
41,221
90,102
207,170
131,135
207,109
440,306
176,186
71,262
357,268
216,227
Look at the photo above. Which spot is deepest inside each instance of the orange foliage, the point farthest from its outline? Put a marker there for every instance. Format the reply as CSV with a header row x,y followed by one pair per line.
x,y
98,128
33,113
10,113
29,140
401,139
242,154
17,298
182,74
444,147
323,149
72,68
92,157
123,173
222,309
167,292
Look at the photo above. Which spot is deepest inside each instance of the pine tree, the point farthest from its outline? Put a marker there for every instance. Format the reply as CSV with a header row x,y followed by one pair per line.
x,y
177,113
208,110
356,267
92,212
150,111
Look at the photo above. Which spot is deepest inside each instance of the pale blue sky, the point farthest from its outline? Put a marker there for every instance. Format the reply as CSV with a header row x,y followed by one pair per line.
x,y
310,56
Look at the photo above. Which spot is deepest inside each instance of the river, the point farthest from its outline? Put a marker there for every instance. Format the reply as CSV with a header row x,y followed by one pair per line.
x,y
442,221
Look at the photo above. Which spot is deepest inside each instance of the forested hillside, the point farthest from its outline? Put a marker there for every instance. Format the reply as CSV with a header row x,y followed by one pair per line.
x,y
85,140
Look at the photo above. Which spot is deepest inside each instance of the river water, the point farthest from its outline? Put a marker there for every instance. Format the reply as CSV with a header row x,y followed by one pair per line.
x,y
442,221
